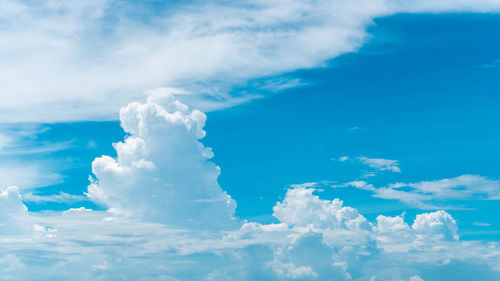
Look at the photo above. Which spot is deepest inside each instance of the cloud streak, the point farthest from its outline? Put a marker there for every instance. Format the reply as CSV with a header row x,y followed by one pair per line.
x,y
74,60
381,164
434,194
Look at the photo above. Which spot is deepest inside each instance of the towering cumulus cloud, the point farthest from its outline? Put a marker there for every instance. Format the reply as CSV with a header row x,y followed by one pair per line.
x,y
162,171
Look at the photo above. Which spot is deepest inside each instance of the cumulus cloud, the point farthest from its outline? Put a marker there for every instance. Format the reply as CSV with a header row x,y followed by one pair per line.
x,y
168,219
333,241
82,60
163,154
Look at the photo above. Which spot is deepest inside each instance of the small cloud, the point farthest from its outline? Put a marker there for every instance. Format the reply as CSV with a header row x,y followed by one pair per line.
x,y
353,129
360,185
343,158
381,164
378,164
493,64
416,278
91,144
369,175
305,185
481,224
62,197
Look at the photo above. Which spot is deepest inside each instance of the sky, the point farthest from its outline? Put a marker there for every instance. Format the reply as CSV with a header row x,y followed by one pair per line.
x,y
249,140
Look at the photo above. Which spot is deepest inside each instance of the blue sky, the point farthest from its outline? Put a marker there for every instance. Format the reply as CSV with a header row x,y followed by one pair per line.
x,y
396,117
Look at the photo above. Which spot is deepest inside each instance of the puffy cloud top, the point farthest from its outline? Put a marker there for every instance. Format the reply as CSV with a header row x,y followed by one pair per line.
x,y
162,168
438,223
301,208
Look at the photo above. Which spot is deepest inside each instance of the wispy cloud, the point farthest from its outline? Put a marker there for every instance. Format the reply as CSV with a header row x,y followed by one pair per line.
x,y
23,156
376,164
22,139
27,175
493,64
62,197
380,164
438,194
481,224
101,54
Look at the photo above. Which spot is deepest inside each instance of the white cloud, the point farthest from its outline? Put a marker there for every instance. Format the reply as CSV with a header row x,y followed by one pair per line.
x,y
164,156
427,194
22,139
416,278
376,164
436,223
23,157
170,220
343,158
291,271
332,241
61,197
27,175
435,194
301,208
306,184
481,224
381,164
358,184
75,60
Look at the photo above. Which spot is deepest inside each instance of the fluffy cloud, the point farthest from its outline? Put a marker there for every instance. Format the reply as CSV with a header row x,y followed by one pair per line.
x,y
105,245
81,60
163,155
168,219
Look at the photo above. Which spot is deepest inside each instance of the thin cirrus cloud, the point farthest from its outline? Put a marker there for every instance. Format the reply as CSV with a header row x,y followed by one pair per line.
x,y
436,194
61,197
160,226
82,60
24,161
377,164
380,164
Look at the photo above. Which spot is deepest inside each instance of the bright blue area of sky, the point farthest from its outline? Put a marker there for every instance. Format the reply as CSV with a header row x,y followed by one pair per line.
x,y
420,91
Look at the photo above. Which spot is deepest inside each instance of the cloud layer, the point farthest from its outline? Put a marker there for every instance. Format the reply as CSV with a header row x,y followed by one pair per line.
x,y
168,219
74,60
